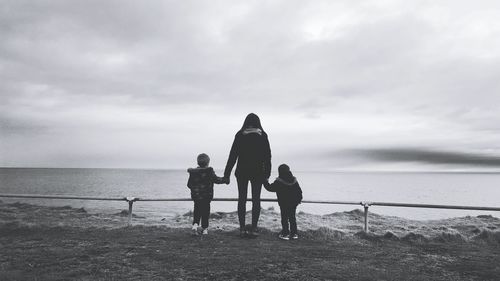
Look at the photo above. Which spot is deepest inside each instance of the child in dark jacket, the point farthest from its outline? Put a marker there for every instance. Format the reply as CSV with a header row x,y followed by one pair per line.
x,y
289,196
201,182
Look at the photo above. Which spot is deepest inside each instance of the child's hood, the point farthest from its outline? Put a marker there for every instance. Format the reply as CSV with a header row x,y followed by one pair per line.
x,y
287,183
199,170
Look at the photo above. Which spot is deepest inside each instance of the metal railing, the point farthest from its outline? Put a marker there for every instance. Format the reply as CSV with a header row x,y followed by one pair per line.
x,y
365,204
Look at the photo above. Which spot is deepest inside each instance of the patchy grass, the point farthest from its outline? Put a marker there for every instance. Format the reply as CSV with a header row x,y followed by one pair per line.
x,y
158,253
38,245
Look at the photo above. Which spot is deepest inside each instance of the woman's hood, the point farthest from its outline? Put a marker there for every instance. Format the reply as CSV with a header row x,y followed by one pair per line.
x,y
252,131
253,121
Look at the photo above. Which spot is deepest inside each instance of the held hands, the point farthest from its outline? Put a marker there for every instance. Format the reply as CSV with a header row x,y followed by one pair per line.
x,y
225,180
266,184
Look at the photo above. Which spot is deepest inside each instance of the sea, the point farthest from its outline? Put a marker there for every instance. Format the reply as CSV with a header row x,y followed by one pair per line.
x,y
471,189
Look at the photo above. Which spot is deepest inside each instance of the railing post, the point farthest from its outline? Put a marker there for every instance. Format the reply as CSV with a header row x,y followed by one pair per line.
x,y
130,201
366,205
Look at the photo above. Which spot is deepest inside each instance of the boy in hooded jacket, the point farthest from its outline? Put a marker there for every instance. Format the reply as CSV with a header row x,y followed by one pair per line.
x,y
201,182
289,196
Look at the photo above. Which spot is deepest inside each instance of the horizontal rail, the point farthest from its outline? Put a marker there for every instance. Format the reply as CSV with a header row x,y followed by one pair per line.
x,y
262,200
333,202
411,205
365,204
362,203
63,197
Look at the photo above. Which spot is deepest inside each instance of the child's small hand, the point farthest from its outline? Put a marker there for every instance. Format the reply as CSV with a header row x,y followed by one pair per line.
x,y
266,183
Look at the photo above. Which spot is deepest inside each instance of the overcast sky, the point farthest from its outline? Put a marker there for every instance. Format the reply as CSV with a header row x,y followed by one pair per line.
x,y
338,85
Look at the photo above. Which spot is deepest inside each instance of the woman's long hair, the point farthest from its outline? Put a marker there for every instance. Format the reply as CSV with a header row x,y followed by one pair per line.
x,y
252,120
284,173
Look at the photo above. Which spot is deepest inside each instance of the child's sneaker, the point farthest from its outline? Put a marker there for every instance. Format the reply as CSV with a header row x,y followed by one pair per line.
x,y
205,231
294,236
283,237
194,229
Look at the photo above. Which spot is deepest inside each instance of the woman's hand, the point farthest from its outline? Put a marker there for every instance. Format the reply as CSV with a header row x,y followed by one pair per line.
x,y
226,180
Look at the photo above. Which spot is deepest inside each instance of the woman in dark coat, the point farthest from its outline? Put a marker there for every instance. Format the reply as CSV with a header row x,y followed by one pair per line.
x,y
252,151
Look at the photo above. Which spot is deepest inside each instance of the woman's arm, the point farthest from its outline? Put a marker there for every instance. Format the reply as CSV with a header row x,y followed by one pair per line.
x,y
233,156
215,178
267,158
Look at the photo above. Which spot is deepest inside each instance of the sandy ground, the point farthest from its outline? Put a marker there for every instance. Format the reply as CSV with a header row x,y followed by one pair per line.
x,y
63,243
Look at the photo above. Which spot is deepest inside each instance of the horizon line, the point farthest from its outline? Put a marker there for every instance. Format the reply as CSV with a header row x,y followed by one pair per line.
x,y
297,171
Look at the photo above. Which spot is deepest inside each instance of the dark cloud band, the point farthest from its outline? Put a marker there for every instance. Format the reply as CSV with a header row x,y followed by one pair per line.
x,y
426,156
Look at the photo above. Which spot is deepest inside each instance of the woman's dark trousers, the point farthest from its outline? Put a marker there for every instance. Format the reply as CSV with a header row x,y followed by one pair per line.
x,y
201,211
288,216
242,200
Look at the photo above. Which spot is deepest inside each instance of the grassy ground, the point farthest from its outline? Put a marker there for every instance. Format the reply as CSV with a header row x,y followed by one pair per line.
x,y
159,253
63,243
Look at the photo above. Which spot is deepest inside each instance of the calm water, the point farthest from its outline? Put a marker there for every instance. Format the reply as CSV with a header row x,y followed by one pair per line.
x,y
431,188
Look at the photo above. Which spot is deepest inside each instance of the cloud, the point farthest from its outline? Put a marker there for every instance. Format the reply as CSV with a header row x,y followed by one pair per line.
x,y
426,156
392,72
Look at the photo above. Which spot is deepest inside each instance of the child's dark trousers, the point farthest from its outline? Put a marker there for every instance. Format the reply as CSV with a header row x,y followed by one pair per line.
x,y
201,211
288,221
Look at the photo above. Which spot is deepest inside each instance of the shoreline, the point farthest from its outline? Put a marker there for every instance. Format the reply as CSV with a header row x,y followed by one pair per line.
x,y
338,225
